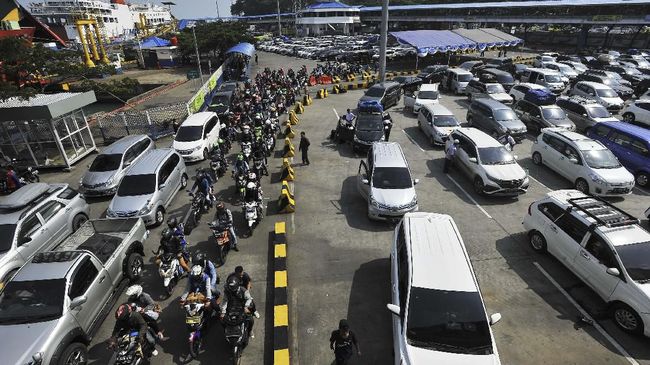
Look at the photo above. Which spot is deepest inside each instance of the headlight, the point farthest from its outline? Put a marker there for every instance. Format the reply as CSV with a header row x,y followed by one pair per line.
x,y
414,201
146,209
195,148
110,181
110,213
441,134
597,179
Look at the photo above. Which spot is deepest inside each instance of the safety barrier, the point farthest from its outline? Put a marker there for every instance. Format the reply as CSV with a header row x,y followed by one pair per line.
x,y
288,132
307,100
351,77
293,118
322,93
298,109
280,297
286,201
287,174
289,150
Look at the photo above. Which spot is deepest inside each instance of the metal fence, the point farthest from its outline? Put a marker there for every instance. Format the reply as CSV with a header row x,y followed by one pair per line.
x,y
156,122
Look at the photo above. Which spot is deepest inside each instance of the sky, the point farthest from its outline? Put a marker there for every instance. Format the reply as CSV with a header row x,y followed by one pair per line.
x,y
183,8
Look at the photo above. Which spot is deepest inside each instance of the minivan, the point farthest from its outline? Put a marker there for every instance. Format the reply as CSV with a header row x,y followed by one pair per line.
x,y
388,94
601,93
197,135
439,316
584,113
502,77
630,144
456,79
108,168
549,78
149,186
385,181
427,95
220,102
495,119
436,122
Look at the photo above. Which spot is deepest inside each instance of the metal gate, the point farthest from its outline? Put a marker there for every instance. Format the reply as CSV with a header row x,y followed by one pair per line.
x,y
156,122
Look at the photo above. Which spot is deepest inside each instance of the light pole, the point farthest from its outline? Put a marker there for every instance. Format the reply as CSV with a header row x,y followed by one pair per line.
x,y
279,24
218,16
198,58
383,40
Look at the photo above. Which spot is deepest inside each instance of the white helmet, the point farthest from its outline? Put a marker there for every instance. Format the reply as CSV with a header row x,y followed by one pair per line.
x,y
268,122
252,176
246,127
197,270
134,290
250,185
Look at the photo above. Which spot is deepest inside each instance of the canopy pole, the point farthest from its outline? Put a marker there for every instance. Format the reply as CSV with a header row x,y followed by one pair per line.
x,y
383,40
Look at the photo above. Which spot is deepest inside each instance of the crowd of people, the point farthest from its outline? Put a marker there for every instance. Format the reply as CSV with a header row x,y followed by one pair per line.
x,y
340,69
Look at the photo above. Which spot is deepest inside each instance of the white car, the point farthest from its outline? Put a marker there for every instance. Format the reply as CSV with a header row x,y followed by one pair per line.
x,y
437,122
539,60
426,95
588,164
438,313
601,93
491,167
637,111
566,71
197,135
579,67
519,91
602,245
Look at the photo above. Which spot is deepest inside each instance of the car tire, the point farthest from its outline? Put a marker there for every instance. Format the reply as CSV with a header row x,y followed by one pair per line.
x,y
78,221
75,353
537,159
642,179
133,269
582,186
159,217
627,319
629,117
537,242
184,181
479,186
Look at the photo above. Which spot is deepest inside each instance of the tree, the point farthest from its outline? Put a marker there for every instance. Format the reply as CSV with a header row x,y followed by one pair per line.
x,y
213,38
27,69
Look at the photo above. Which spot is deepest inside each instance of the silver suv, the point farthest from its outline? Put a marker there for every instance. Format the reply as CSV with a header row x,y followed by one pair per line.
x,y
35,218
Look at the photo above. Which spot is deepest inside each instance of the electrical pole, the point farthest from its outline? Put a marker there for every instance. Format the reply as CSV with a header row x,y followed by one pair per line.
x,y
279,24
383,40
198,58
218,16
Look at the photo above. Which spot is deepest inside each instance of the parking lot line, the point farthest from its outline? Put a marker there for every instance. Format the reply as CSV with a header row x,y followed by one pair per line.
x,y
586,315
539,182
470,197
413,141
337,114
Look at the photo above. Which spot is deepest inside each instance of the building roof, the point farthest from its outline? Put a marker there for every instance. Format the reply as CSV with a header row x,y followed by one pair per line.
x,y
433,41
154,42
329,5
243,48
44,106
510,4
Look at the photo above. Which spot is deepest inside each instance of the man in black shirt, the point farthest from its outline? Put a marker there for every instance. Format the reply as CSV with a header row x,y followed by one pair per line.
x,y
243,277
341,342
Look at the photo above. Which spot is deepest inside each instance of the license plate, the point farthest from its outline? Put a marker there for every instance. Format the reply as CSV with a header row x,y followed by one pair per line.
x,y
193,320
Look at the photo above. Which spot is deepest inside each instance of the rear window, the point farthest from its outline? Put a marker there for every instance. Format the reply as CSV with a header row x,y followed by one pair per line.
x,y
68,194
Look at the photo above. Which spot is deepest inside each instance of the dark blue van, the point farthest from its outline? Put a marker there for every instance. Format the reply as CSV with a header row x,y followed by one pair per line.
x,y
630,144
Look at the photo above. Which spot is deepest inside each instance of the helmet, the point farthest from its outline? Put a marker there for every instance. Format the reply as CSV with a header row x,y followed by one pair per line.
x,y
268,122
166,234
233,284
258,117
220,206
252,176
134,290
199,259
240,157
251,185
246,127
172,222
123,312
196,271
456,141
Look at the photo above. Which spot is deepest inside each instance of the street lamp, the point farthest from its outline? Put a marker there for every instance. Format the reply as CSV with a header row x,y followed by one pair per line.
x,y
383,40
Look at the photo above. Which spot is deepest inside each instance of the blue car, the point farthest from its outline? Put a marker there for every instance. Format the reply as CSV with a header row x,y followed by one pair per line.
x,y
630,144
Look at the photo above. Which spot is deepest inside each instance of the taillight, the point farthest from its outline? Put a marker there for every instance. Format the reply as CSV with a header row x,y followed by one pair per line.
x,y
530,207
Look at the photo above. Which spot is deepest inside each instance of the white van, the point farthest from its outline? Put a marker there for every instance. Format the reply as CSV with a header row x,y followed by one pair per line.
x,y
197,135
456,80
435,298
385,182
426,95
550,78
436,122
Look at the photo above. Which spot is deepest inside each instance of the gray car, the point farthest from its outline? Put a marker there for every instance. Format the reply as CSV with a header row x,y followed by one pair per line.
x,y
108,168
537,117
35,218
584,113
495,119
149,187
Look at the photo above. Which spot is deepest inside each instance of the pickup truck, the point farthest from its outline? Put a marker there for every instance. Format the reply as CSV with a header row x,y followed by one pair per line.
x,y
51,308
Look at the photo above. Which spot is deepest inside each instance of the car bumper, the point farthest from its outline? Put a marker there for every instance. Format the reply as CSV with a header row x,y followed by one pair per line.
x,y
492,188
191,156
389,214
614,107
148,219
612,191
97,192
440,140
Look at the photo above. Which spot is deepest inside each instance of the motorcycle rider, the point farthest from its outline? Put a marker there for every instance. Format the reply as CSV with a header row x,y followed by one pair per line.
x,y
203,184
224,218
13,182
126,319
173,244
148,308
246,134
209,268
259,156
199,282
241,166
236,297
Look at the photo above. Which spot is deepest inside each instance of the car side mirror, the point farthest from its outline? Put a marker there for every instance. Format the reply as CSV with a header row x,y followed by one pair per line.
x,y
473,160
584,115
573,160
78,301
365,181
613,271
162,186
394,309
494,318
127,164
416,181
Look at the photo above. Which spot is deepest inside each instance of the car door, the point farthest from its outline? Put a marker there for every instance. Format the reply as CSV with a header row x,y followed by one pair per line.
x,y
54,216
591,265
551,151
165,185
32,236
570,162
422,120
566,233
400,293
464,152
363,180
620,144
522,109
89,280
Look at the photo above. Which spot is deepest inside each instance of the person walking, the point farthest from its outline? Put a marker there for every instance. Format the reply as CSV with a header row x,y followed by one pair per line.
x,y
450,152
304,148
388,125
256,61
341,342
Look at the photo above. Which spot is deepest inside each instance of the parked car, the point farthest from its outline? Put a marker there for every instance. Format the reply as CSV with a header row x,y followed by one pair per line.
x,y
36,218
368,129
631,74
622,91
637,111
492,169
537,117
220,103
471,65
519,91
579,67
515,69
408,83
495,119
437,122
490,90
434,285
388,94
630,144
197,135
548,78
456,80
588,164
502,77
584,113
539,60
51,309
108,168
427,95
602,245
149,187
564,70
602,94
385,182
228,86
433,74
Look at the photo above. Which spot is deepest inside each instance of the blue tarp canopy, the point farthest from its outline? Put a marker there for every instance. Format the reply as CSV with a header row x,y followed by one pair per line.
x,y
433,41
154,42
243,48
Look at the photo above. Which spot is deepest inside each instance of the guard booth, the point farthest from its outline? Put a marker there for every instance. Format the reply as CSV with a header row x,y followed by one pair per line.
x,y
47,130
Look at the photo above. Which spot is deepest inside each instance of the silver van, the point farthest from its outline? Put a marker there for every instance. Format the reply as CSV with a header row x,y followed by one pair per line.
x,y
149,187
108,168
456,80
551,79
385,182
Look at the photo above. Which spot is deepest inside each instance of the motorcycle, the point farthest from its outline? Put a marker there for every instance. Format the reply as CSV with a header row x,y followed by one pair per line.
x,y
25,176
221,235
218,165
126,351
260,167
269,140
196,319
170,271
197,207
246,148
240,185
252,214
236,333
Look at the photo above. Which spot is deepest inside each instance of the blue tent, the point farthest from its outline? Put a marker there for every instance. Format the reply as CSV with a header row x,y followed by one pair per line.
x,y
243,48
155,42
433,41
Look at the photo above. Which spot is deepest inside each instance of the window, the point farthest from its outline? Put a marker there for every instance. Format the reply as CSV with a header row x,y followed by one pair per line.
x,y
599,249
50,209
165,170
210,125
639,147
551,211
571,153
572,227
645,106
520,88
621,139
68,194
523,106
601,130
85,275
402,268
142,146
534,111
30,225
130,155
555,143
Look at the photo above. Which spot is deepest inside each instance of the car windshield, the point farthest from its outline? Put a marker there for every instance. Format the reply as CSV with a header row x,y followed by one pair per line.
x,y
32,301
104,163
189,133
370,123
635,260
601,159
597,111
606,93
465,77
375,92
505,79
553,78
132,185
632,71
504,114
445,121
220,100
7,231
391,178
494,88
428,95
449,321
495,156
553,113
565,69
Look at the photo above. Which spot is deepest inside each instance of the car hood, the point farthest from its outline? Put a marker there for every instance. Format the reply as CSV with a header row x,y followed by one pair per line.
x,y
564,123
501,97
128,203
181,146
21,341
427,101
505,172
419,355
92,178
606,119
616,176
370,136
512,124
445,130
613,101
393,197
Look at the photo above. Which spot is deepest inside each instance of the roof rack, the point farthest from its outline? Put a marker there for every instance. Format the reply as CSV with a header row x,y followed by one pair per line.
x,y
604,213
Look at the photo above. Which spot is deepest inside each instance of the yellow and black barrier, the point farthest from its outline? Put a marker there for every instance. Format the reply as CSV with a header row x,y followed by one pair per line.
x,y
299,109
335,89
286,201
307,100
336,80
288,132
351,77
322,93
288,174
280,297
293,118
289,150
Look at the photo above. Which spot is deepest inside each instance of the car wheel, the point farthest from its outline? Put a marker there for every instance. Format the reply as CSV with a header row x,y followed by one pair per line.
x,y
75,354
134,266
183,181
479,186
642,179
537,242
537,159
628,117
582,186
627,319
78,221
469,121
160,216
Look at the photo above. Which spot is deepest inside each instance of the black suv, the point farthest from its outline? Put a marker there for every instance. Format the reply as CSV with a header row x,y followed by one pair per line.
x,y
388,94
